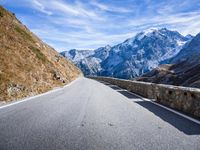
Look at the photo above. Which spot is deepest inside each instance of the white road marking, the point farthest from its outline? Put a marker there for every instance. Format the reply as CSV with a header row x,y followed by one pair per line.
x,y
39,95
167,108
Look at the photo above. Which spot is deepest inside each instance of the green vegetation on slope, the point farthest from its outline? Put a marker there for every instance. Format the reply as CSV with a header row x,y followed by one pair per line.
x,y
1,14
24,34
39,54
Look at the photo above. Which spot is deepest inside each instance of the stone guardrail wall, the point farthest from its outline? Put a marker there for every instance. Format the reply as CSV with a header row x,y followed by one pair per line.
x,y
181,98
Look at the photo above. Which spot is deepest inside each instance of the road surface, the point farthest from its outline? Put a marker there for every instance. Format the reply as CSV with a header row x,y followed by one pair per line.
x,y
94,116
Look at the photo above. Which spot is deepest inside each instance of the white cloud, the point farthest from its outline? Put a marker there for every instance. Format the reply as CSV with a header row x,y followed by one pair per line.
x,y
76,9
110,8
190,21
80,40
39,6
76,24
90,37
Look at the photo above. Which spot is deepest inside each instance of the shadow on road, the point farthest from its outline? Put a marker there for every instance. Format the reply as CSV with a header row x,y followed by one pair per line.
x,y
182,124
128,95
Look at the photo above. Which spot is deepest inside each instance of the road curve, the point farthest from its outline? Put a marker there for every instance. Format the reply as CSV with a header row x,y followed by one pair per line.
x,y
94,116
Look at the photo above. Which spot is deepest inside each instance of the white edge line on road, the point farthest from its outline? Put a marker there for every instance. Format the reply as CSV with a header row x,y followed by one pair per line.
x,y
39,95
167,108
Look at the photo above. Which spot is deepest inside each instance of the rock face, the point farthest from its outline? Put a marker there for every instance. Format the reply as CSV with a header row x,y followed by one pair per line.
x,y
134,56
77,55
183,69
142,53
89,61
28,65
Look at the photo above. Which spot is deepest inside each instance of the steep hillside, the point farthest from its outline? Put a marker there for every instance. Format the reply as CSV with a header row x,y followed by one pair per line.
x,y
28,66
133,57
184,68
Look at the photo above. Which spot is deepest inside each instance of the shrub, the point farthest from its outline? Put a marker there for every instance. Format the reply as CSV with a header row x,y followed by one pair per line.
x,y
1,14
24,34
39,54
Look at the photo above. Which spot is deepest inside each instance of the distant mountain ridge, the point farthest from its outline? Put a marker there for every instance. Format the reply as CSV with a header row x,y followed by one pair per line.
x,y
183,69
77,55
89,61
133,57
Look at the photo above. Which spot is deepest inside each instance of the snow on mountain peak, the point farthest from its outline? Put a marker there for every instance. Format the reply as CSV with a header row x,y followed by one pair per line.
x,y
150,30
133,57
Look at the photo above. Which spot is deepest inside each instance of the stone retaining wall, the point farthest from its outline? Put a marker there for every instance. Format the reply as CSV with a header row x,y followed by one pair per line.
x,y
177,97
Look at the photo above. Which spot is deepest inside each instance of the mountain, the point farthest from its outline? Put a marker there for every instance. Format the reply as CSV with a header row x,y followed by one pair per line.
x,y
89,61
135,56
184,68
77,55
28,65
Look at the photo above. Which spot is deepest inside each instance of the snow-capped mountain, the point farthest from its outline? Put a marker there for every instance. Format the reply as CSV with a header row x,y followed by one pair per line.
x,y
134,56
183,69
77,55
189,51
142,53
89,61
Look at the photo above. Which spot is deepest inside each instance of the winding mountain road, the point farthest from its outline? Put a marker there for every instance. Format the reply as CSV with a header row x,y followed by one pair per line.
x,y
96,116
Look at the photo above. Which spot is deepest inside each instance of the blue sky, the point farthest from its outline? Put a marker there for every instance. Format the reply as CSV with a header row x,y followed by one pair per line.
x,y
89,24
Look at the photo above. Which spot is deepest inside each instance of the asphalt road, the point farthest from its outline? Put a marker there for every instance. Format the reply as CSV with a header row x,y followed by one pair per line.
x,y
94,116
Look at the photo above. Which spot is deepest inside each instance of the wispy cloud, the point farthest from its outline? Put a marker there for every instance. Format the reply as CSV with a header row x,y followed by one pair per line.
x,y
58,6
83,24
76,10
111,8
39,6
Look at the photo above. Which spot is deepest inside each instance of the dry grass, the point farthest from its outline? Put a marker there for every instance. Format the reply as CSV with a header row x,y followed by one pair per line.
x,y
39,54
25,35
27,63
